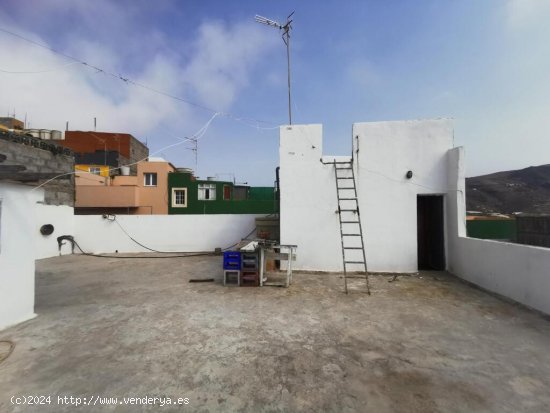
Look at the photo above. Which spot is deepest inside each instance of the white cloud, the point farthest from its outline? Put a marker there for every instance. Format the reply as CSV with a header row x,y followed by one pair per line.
x,y
522,13
223,58
216,70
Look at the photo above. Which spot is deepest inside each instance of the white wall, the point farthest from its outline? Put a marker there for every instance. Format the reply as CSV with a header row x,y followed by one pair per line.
x,y
387,199
17,252
62,219
308,199
161,232
519,272
384,152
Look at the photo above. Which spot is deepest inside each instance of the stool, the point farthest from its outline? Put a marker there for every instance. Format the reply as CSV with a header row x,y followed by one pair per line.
x,y
231,277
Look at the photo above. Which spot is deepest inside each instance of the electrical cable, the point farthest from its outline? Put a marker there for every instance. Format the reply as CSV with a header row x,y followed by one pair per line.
x,y
198,135
136,241
38,71
187,254
172,252
198,254
133,82
408,182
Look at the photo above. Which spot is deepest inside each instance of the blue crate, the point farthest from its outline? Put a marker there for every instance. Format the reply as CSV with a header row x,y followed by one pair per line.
x,y
231,260
232,256
231,265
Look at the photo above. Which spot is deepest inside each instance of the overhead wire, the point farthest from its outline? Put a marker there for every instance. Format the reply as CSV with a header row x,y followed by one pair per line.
x,y
251,122
127,80
198,135
38,71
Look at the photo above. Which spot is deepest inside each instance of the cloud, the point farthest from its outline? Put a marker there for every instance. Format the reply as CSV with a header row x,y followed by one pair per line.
x,y
522,13
223,58
214,68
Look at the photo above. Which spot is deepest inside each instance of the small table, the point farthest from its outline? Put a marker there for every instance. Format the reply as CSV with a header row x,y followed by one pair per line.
x,y
282,252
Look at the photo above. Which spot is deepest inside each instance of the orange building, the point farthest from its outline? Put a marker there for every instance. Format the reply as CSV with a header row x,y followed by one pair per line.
x,y
144,193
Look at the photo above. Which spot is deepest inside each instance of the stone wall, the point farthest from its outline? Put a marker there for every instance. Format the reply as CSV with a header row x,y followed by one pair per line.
x,y
43,157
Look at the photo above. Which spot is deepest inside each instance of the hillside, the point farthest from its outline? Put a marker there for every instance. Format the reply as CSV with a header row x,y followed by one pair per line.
x,y
522,190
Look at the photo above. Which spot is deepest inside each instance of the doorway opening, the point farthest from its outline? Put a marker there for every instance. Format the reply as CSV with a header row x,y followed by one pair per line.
x,y
431,233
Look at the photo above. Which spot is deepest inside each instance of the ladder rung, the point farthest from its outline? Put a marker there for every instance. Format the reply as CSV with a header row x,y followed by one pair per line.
x,y
353,248
350,222
351,235
354,262
344,169
348,210
347,199
340,162
344,177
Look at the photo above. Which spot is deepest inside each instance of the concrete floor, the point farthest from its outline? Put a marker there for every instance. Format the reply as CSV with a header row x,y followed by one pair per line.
x,y
135,328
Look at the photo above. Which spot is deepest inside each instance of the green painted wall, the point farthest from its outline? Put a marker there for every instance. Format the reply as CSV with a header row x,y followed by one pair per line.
x,y
261,200
498,229
261,193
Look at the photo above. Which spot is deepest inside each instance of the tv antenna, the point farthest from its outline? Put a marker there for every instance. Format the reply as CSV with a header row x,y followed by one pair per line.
x,y
195,149
286,38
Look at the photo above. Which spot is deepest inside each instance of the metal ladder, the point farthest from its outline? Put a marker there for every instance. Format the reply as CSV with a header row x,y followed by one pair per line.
x,y
353,223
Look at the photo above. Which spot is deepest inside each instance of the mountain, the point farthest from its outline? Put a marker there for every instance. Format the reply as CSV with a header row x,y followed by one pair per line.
x,y
522,190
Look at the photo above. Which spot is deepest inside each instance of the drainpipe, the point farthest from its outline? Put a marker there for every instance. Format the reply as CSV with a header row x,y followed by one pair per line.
x,y
278,188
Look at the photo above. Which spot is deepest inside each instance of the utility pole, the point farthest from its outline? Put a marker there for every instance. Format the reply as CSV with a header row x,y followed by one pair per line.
x,y
286,39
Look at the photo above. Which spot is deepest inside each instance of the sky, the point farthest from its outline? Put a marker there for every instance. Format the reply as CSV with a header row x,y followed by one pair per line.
x,y
486,64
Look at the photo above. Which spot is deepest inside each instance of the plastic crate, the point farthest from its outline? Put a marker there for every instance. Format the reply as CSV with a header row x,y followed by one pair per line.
x,y
250,279
232,265
231,277
232,255
249,261
231,260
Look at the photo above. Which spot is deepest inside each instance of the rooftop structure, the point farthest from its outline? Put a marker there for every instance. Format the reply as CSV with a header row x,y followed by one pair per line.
x,y
105,148
143,193
33,161
421,341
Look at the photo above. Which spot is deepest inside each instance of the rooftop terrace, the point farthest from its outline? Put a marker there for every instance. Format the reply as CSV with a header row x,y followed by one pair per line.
x,y
137,327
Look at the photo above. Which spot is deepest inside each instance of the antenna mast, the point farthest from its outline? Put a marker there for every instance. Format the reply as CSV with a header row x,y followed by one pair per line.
x,y
195,149
286,39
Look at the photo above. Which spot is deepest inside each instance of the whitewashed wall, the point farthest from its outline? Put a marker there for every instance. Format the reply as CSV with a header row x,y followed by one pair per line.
x,y
384,152
519,272
62,219
17,252
161,232
308,199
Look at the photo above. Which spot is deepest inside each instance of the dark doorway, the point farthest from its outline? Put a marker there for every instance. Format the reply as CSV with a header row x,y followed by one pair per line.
x,y
431,235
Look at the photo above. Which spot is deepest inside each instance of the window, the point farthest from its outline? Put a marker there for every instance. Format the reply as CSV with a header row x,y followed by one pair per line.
x,y
150,179
179,197
94,170
207,192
